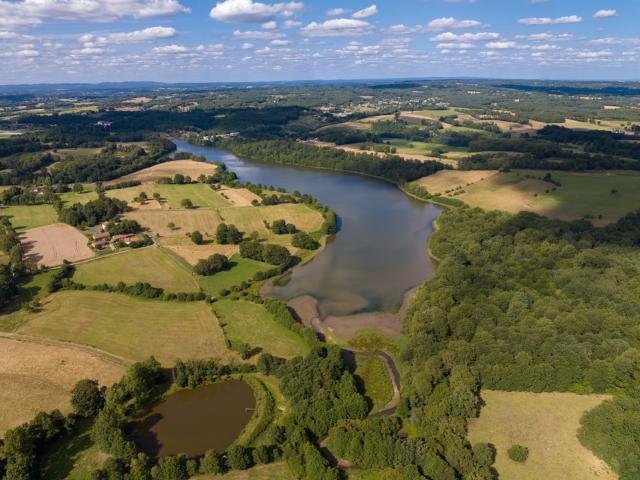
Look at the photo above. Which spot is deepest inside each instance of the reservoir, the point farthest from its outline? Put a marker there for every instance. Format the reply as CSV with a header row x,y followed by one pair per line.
x,y
194,421
380,251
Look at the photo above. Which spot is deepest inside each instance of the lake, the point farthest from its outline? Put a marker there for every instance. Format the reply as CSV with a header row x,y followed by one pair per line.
x,y
380,251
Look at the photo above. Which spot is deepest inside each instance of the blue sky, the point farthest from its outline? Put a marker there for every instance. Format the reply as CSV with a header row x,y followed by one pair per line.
x,y
44,41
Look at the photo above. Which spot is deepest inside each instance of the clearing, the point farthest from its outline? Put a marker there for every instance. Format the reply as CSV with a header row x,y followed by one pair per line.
x,y
153,265
130,327
250,323
52,244
37,376
373,373
545,423
189,168
24,217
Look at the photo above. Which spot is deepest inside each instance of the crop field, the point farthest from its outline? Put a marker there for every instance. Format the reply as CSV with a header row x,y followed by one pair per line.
x,y
250,323
52,244
375,378
153,265
185,221
189,168
130,327
243,269
240,197
191,252
444,180
200,194
24,217
37,376
545,423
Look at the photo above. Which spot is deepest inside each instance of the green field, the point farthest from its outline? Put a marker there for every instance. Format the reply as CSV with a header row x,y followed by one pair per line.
x,y
69,198
274,471
200,194
130,327
24,217
249,219
156,266
250,323
243,270
375,379
29,289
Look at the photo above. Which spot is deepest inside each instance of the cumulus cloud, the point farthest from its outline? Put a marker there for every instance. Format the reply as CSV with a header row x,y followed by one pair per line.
x,y
465,37
137,36
257,35
339,27
450,23
501,45
170,49
456,46
605,13
34,12
366,12
547,37
550,21
248,11
336,12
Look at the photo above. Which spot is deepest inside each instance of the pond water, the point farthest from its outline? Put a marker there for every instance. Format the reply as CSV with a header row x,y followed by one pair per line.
x,y
380,251
194,421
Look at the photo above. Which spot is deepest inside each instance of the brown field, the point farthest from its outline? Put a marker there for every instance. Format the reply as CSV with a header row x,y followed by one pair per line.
x,y
406,156
206,221
39,376
192,253
169,169
545,423
52,244
239,197
445,180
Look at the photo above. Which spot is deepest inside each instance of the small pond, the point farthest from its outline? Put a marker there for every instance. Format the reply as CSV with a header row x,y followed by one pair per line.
x,y
194,421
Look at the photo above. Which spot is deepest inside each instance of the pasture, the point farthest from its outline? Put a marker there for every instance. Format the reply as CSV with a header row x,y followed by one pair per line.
x,y
545,423
130,327
250,323
153,265
52,244
250,219
191,252
39,376
189,168
240,197
24,217
202,195
185,221
445,180
243,269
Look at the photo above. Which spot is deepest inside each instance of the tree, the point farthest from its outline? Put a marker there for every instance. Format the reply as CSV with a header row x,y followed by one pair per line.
x,y
212,265
87,398
186,203
239,458
78,187
178,179
157,196
140,468
197,238
518,453
171,226
170,468
304,240
211,463
275,254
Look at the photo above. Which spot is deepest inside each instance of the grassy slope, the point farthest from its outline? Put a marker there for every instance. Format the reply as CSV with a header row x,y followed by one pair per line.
x,y
251,323
24,217
31,288
375,377
153,265
200,194
243,270
547,424
130,327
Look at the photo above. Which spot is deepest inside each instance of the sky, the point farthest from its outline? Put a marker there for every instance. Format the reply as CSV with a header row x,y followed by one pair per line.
x,y
62,41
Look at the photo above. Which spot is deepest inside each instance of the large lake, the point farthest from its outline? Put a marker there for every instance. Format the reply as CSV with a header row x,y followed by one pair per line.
x,y
380,251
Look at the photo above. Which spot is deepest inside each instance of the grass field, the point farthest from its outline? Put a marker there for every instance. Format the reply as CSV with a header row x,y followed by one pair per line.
x,y
69,198
24,217
274,471
185,221
545,423
580,194
169,169
243,270
153,265
375,379
29,288
200,194
130,327
35,377
249,219
250,323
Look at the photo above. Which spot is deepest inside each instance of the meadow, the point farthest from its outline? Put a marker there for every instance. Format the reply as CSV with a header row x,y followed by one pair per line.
x,y
202,195
189,168
374,375
250,323
545,423
130,327
25,217
243,269
153,265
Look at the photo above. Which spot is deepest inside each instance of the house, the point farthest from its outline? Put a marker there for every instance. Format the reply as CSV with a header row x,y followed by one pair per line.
x,y
100,244
127,238
101,236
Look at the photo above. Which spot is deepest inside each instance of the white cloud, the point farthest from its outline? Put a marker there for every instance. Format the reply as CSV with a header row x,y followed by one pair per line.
x,y
336,12
27,53
403,29
456,46
605,14
291,24
594,54
272,25
146,35
450,23
339,27
550,21
247,46
34,12
547,37
248,11
366,12
465,37
280,43
257,35
170,49
500,45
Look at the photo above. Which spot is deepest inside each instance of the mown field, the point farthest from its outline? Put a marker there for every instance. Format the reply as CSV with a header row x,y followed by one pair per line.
x,y
38,376
200,194
130,327
153,265
545,423
24,217
169,169
243,269
250,323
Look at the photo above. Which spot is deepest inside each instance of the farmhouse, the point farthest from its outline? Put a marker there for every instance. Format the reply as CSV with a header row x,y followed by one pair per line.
x,y
127,238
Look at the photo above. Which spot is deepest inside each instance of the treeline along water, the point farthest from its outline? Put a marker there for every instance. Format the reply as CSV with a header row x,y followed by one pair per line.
x,y
380,251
